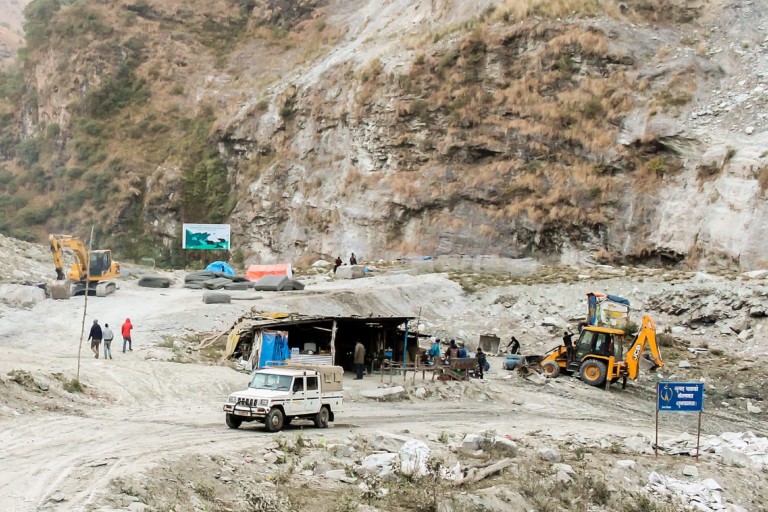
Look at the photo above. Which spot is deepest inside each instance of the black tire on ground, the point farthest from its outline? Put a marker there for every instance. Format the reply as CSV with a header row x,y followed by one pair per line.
x,y
155,282
550,369
274,420
216,298
593,372
322,417
233,421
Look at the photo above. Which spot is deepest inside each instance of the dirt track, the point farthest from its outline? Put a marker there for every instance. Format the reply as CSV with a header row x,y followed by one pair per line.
x,y
63,450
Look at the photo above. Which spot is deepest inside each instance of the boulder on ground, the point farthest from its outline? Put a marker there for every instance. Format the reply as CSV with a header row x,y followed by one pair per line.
x,y
384,394
388,442
350,272
549,454
19,295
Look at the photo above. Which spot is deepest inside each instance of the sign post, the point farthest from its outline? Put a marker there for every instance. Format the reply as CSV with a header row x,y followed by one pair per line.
x,y
679,397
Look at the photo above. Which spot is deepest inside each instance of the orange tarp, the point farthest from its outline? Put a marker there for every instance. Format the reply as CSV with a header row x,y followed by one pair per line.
x,y
256,272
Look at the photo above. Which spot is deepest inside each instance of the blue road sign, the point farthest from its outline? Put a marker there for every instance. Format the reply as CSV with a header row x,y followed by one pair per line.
x,y
680,396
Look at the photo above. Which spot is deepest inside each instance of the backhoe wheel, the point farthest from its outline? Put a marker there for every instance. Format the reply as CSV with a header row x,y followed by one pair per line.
x,y
233,421
550,369
274,420
321,418
593,372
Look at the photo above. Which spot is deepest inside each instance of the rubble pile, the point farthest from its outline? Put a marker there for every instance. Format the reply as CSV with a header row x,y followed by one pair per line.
x,y
709,305
743,449
704,495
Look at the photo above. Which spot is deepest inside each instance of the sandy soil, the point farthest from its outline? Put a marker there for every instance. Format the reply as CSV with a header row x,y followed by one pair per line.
x,y
60,451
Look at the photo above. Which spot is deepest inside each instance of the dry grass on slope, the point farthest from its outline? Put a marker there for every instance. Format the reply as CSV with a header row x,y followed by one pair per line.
x,y
524,116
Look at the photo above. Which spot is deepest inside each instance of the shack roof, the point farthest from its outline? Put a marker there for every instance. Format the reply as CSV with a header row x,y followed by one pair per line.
x,y
275,320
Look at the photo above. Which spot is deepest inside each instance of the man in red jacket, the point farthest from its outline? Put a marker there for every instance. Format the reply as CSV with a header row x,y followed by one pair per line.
x,y
126,331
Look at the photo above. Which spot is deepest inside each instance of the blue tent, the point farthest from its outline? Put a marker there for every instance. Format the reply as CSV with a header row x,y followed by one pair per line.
x,y
274,348
220,266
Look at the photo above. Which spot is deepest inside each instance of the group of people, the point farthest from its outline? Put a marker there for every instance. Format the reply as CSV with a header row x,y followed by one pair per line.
x,y
105,334
455,351
339,262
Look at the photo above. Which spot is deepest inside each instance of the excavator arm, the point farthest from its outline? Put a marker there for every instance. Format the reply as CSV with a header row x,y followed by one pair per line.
x,y
647,335
60,243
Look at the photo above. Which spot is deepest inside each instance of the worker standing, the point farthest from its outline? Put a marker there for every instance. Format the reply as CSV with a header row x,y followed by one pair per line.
x,y
95,337
514,346
481,362
434,351
568,342
126,332
108,337
359,360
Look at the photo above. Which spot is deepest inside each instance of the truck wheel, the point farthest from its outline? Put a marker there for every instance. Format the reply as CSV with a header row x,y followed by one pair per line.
x,y
593,372
550,369
321,418
233,421
274,420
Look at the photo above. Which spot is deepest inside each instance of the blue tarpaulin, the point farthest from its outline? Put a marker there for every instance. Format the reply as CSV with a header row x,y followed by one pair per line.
x,y
220,266
274,348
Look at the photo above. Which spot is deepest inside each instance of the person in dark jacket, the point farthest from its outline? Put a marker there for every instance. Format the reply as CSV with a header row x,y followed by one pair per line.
x,y
95,337
353,259
568,342
481,362
452,352
514,346
337,263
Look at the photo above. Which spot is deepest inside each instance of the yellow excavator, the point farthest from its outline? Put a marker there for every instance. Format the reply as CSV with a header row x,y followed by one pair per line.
x,y
92,270
599,356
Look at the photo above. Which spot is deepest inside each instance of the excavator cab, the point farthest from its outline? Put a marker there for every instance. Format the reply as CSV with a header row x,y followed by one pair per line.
x,y
100,263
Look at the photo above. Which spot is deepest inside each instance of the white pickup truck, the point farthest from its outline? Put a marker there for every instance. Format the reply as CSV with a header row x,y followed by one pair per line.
x,y
276,396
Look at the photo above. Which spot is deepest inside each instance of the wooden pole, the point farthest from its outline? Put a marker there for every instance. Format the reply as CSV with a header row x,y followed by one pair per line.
x,y
405,344
656,444
85,304
333,343
698,438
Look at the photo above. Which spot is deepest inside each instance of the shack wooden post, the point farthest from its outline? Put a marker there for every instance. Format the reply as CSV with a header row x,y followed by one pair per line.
x,y
405,344
333,343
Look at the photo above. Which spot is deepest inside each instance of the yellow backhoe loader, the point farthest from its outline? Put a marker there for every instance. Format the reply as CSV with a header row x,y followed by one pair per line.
x,y
599,356
93,270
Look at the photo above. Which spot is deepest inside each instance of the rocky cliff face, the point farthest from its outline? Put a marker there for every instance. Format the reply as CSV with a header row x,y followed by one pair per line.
x,y
319,128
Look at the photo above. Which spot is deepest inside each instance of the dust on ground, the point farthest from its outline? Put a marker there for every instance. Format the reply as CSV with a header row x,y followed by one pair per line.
x,y
147,432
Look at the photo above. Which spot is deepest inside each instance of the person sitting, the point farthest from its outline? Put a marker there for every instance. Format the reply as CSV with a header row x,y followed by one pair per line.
x,y
452,352
462,351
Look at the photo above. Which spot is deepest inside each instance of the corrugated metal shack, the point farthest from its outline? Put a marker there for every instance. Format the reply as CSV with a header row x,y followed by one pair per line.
x,y
320,339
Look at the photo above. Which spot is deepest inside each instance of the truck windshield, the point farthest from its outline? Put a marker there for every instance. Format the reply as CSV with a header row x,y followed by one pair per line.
x,y
271,381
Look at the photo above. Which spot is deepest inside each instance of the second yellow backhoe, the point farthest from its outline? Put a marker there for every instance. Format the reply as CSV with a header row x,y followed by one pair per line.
x,y
599,356
92,270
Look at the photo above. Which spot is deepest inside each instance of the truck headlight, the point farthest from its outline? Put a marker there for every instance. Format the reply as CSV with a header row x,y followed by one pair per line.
x,y
264,402
232,399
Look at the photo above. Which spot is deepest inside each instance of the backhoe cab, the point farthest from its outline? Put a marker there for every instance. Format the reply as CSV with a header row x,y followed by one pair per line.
x,y
599,356
91,270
